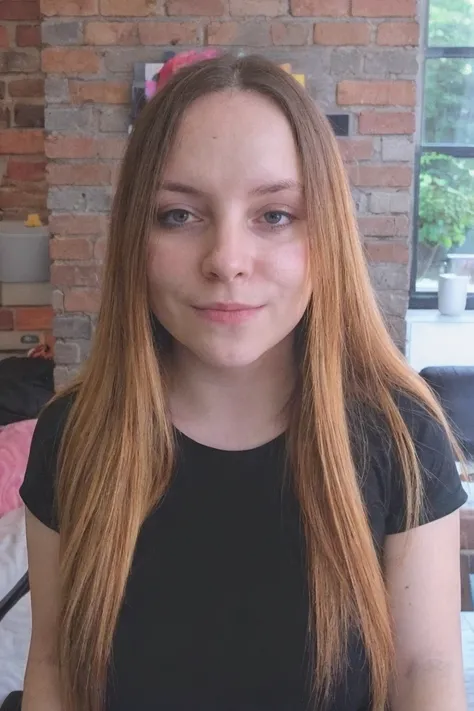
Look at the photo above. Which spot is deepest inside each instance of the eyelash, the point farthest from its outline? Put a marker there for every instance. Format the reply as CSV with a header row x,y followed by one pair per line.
x,y
160,218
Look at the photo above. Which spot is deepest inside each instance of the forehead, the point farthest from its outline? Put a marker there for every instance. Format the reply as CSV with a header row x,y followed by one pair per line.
x,y
231,140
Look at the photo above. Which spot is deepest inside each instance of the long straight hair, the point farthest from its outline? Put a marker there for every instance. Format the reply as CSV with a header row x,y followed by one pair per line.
x,y
117,455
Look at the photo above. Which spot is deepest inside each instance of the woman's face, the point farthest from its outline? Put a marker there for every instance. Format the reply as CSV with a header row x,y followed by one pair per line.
x,y
228,264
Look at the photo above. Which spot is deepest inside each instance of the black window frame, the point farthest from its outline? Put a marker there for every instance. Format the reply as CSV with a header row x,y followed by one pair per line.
x,y
425,299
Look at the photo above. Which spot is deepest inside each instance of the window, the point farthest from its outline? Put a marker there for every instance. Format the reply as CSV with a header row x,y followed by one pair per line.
x,y
445,161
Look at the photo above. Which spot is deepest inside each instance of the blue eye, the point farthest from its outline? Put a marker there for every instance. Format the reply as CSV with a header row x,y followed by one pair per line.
x,y
174,218
277,218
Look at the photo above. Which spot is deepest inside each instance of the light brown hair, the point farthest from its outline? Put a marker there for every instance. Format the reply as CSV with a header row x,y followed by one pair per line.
x,y
117,453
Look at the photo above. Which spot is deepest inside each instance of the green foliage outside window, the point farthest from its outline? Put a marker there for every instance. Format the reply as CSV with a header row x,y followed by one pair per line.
x,y
446,205
446,209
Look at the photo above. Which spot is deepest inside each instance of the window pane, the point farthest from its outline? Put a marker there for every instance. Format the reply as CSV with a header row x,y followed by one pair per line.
x,y
449,101
451,23
445,219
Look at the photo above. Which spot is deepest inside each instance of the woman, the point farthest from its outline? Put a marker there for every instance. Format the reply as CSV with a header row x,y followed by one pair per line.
x,y
240,477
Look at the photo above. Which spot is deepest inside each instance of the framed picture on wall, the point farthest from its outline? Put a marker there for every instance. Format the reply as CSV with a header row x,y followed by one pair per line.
x,y
146,75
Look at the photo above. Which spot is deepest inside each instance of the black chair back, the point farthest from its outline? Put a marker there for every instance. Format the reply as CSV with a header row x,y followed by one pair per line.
x,y
454,386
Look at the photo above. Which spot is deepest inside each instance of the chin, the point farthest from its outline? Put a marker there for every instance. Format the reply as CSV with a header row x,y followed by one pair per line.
x,y
230,358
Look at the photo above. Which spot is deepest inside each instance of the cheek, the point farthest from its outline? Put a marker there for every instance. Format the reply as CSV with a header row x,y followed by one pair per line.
x,y
289,267
166,269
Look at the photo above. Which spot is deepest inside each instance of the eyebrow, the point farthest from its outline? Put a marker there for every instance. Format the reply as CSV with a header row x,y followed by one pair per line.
x,y
175,187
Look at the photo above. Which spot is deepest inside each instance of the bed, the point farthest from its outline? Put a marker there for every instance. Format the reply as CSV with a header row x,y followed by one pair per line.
x,y
15,612
15,627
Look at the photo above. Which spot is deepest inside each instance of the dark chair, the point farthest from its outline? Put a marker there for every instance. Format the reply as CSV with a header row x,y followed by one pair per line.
x,y
12,702
14,595
454,386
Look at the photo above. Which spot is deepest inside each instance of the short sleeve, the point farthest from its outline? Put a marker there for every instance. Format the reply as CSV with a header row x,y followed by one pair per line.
x,y
38,490
443,490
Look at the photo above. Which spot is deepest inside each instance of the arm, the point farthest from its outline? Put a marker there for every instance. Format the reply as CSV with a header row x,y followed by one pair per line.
x,y
423,581
42,677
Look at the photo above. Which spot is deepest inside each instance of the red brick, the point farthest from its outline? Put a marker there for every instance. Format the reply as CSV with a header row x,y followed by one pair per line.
x,y
319,8
26,88
28,36
397,123
33,318
111,33
251,34
78,174
384,225
69,8
82,300
59,60
29,116
289,33
71,248
401,34
100,249
19,10
99,92
4,117
24,61
6,320
384,8
131,8
381,176
77,224
266,8
112,148
28,171
73,275
23,196
208,8
4,38
21,142
376,93
387,251
353,149
342,33
168,33
70,146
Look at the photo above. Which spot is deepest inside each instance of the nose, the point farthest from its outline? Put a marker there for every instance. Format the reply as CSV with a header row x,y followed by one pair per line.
x,y
229,254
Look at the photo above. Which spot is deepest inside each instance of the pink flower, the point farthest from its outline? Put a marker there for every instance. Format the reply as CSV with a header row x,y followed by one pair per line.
x,y
182,60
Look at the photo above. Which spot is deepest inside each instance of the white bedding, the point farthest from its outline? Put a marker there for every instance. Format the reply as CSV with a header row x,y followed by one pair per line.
x,y
15,628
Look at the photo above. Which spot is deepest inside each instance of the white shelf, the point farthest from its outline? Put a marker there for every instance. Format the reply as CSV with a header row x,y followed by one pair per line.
x,y
433,339
434,316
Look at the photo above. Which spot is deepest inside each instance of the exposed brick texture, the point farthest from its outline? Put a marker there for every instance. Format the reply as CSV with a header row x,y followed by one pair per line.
x,y
342,33
23,187
384,8
359,57
401,34
320,8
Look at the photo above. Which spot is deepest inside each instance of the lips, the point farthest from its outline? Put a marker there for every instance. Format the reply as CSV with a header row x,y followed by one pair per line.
x,y
230,313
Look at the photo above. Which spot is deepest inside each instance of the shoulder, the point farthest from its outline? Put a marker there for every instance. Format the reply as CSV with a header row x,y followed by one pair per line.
x,y
428,435
384,481
53,418
39,485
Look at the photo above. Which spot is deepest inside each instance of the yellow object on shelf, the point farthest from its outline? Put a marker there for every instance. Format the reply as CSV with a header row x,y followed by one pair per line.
x,y
33,220
300,78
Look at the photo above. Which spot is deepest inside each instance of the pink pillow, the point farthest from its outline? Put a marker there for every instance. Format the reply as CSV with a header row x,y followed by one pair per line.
x,y
15,442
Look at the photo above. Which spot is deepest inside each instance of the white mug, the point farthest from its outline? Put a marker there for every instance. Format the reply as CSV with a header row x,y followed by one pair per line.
x,y
452,294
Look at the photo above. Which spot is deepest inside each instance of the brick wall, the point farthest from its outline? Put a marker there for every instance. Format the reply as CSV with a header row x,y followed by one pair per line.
x,y
359,57
23,187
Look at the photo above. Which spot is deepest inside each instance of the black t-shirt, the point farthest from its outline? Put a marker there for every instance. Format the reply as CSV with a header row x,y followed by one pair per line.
x,y
216,607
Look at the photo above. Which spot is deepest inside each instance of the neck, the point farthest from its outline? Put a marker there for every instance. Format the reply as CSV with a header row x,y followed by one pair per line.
x,y
232,408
